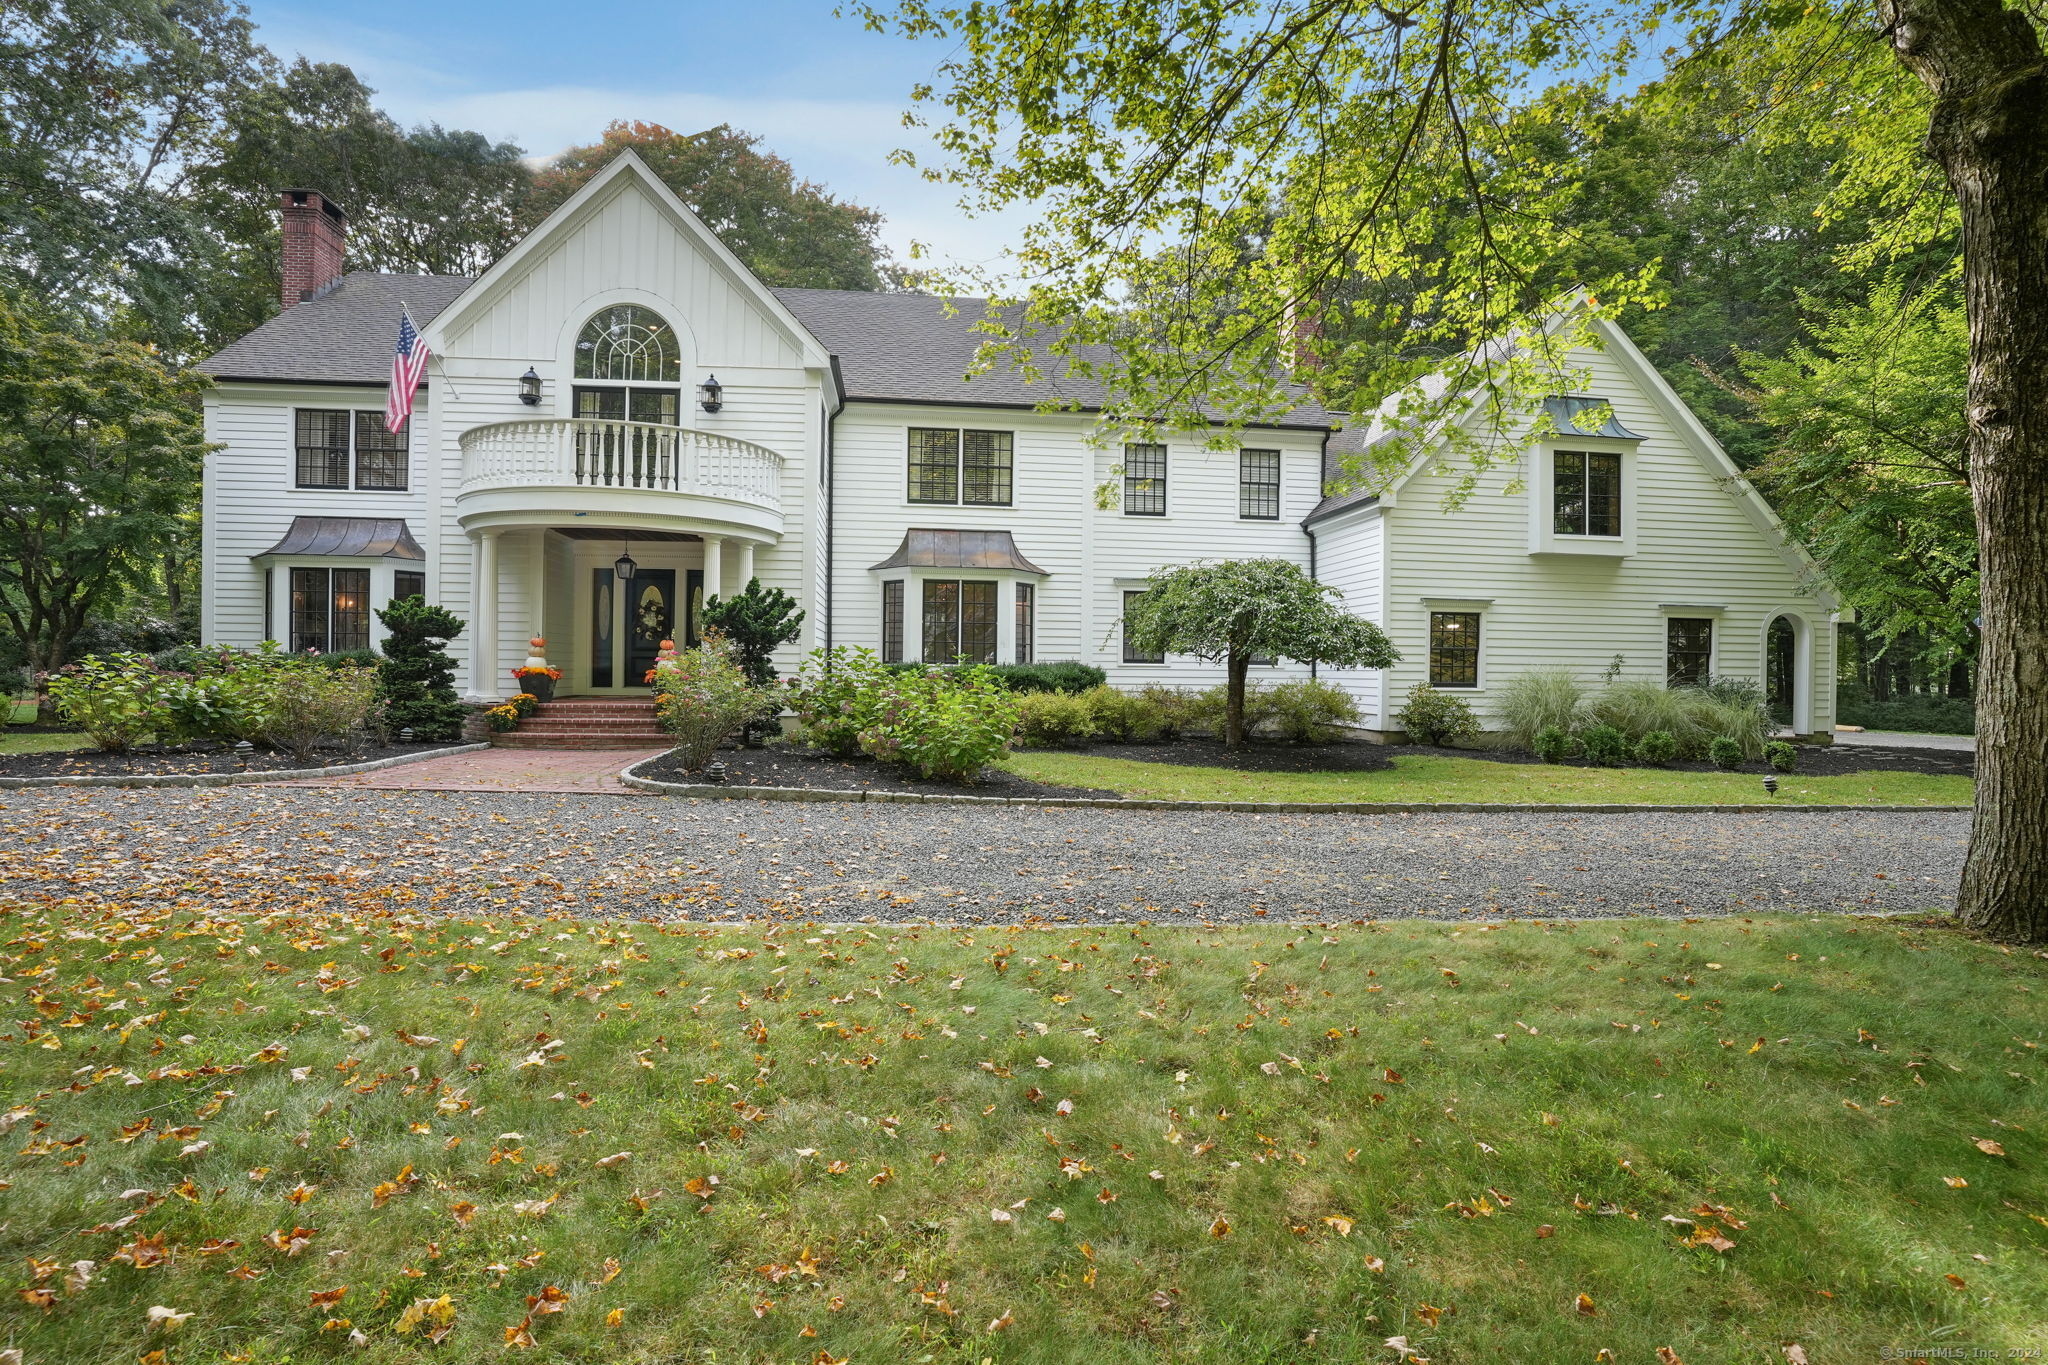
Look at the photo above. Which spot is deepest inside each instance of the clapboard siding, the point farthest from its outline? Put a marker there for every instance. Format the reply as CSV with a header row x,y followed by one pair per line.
x,y
1056,475
1698,541
250,495
1350,557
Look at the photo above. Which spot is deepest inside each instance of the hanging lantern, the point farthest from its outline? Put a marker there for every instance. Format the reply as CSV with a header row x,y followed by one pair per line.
x,y
624,566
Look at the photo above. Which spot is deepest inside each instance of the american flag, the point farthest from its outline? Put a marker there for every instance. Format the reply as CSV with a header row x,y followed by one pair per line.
x,y
408,363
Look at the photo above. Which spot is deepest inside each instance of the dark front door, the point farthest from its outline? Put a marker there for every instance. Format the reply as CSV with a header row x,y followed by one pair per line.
x,y
650,618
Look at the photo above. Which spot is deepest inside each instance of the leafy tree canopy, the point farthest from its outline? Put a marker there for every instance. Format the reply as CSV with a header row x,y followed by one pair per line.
x,y
790,232
1869,467
433,201
100,453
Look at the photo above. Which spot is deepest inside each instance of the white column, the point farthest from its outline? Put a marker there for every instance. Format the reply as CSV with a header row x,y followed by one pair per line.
x,y
484,647
714,555
746,573
536,589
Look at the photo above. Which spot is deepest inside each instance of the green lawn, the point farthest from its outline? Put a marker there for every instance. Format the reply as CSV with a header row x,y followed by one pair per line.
x,y
1423,777
1126,1144
41,742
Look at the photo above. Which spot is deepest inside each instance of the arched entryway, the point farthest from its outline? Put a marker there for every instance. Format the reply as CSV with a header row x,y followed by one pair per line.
x,y
1788,671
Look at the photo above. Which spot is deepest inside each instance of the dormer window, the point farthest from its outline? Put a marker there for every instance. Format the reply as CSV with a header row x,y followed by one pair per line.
x,y
1583,476
1586,492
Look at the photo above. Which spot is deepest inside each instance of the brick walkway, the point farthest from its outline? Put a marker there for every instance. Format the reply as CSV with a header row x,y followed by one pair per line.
x,y
497,770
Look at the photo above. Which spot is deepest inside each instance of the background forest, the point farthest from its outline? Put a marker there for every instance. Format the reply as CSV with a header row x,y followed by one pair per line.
x,y
142,147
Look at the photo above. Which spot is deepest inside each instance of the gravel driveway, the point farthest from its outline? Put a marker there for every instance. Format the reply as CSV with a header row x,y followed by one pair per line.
x,y
645,855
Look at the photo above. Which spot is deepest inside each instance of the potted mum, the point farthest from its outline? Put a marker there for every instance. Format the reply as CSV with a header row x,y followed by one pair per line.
x,y
535,676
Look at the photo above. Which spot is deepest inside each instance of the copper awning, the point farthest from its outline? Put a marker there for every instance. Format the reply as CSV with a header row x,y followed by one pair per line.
x,y
1566,409
929,549
347,538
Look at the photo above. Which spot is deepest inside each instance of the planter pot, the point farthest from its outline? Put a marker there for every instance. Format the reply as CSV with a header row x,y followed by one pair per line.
x,y
540,687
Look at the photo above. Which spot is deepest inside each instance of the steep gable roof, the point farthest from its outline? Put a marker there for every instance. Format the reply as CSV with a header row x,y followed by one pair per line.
x,y
343,336
623,172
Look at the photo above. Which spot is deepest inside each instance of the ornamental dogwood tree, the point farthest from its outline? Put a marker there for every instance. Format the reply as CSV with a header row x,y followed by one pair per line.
x,y
1235,610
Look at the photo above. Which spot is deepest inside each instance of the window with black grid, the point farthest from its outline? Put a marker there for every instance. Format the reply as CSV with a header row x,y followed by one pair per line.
x,y
941,621
407,583
1454,649
1688,650
349,615
322,440
309,610
934,464
1027,619
1258,485
987,459
892,621
381,460
1144,480
1132,654
1586,493
978,622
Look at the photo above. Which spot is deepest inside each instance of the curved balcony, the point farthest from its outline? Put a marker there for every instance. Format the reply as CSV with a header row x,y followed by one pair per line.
x,y
636,474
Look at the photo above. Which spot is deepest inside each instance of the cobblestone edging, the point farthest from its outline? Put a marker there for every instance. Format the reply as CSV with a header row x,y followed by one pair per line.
x,y
234,779
721,792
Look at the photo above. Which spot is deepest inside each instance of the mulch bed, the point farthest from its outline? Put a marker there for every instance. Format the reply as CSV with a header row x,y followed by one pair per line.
x,y
784,765
1815,760
156,760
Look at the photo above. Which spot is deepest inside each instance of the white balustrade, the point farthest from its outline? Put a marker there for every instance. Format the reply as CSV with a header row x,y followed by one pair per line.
x,y
588,453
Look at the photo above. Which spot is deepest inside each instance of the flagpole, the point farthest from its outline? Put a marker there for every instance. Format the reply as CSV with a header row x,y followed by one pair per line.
x,y
433,357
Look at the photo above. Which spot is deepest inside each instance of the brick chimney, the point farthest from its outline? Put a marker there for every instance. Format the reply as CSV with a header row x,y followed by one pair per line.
x,y
315,230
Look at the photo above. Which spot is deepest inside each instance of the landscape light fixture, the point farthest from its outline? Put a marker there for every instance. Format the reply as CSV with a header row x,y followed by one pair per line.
x,y
529,387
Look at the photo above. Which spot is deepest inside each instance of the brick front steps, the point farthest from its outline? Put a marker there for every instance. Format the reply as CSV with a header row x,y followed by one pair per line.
x,y
587,723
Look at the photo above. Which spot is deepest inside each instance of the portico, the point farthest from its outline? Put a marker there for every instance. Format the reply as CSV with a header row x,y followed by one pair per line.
x,y
605,537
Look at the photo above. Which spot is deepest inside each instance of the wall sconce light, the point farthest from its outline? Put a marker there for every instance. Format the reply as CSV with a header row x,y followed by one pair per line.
x,y
711,390
529,388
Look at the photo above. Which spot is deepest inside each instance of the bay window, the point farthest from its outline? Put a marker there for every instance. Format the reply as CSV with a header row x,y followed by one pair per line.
x,y
330,610
959,621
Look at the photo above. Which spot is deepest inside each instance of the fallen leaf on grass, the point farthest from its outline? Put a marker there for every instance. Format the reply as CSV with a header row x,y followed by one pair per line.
x,y
162,1319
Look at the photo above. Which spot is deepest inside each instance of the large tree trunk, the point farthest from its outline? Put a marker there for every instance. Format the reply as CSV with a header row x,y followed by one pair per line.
x,y
1989,131
1240,664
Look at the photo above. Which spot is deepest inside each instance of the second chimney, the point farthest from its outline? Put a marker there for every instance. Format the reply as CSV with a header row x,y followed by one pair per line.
x,y
315,231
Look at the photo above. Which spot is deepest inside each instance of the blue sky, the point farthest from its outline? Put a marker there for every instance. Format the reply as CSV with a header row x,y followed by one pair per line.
x,y
820,90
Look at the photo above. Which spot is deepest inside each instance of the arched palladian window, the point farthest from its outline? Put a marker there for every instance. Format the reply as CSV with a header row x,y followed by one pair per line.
x,y
630,343
629,367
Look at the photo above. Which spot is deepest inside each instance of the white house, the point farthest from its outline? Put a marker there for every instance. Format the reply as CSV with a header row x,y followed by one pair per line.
x,y
619,387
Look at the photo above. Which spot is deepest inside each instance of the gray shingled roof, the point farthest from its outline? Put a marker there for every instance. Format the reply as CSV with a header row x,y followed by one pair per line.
x,y
1351,441
891,347
343,336
905,347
